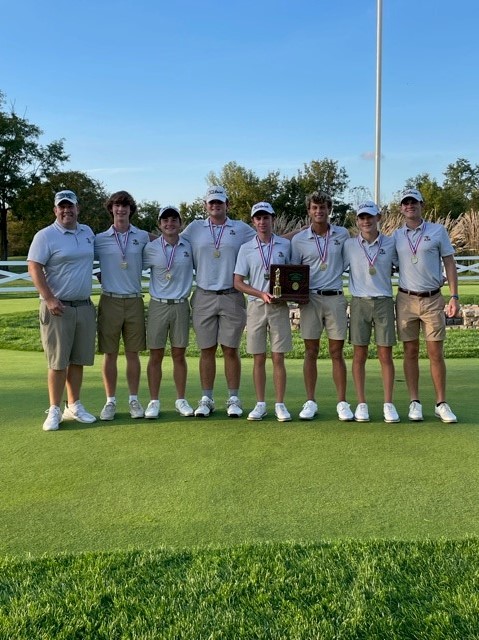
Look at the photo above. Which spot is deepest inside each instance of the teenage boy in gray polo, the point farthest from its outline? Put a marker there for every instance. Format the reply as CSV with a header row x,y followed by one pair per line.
x,y
170,261
423,249
121,312
218,309
370,258
321,246
60,262
263,314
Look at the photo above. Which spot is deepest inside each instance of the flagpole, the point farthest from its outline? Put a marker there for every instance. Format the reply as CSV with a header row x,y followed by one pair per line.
x,y
377,154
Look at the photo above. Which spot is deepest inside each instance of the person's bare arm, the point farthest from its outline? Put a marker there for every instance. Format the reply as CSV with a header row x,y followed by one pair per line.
x,y
35,269
452,307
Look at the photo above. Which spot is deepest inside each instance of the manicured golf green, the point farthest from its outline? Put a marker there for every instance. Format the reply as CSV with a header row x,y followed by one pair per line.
x,y
185,482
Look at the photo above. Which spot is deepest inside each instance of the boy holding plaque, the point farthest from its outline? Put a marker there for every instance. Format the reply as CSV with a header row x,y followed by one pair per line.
x,y
321,247
370,258
264,315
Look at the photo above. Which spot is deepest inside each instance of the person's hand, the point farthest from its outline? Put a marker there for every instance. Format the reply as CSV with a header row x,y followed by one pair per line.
x,y
452,308
55,306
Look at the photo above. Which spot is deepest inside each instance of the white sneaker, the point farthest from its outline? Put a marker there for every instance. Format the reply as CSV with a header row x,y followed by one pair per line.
x,y
415,412
53,419
259,412
184,408
444,412
78,412
390,413
233,407
282,414
108,411
362,413
153,409
205,407
344,411
309,410
136,410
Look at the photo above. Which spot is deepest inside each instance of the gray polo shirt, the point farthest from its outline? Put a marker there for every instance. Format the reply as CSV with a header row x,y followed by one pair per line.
x,y
176,282
361,257
112,251
304,250
420,252
250,265
67,259
213,271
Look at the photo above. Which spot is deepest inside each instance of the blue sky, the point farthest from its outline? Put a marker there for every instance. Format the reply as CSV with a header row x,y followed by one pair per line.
x,y
150,96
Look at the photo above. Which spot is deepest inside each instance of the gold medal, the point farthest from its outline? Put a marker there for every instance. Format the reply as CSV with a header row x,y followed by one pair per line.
x,y
323,266
168,276
295,286
372,270
216,254
414,259
266,276
124,265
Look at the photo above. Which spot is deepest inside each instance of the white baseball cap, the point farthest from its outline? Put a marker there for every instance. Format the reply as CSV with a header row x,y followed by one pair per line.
x,y
216,192
412,193
65,195
169,211
368,207
262,207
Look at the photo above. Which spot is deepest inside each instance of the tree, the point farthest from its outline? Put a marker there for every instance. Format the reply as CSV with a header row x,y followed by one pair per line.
x,y
23,162
287,195
318,175
245,188
34,205
458,193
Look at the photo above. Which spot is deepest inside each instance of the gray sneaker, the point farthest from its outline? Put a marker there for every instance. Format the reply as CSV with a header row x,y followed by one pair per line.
x,y
108,411
136,410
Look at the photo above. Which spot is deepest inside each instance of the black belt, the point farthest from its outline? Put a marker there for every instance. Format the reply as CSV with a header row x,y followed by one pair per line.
x,y
328,292
221,292
420,294
76,303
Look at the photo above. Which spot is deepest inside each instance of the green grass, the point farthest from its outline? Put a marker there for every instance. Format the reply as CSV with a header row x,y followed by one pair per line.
x,y
185,482
347,590
218,529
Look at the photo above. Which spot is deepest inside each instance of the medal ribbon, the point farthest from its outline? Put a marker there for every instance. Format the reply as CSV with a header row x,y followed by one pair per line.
x,y
323,253
217,239
372,260
119,242
414,245
169,260
266,259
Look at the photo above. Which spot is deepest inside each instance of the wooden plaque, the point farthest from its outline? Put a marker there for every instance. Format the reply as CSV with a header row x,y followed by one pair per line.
x,y
289,282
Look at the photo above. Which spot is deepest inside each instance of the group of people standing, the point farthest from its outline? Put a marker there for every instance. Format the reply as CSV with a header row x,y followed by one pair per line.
x,y
231,259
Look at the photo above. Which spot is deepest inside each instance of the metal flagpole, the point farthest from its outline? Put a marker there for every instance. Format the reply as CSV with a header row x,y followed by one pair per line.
x,y
377,155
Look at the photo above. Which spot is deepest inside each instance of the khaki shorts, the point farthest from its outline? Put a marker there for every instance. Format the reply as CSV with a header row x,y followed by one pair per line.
x,y
324,313
413,312
263,318
218,319
69,338
165,320
119,317
375,314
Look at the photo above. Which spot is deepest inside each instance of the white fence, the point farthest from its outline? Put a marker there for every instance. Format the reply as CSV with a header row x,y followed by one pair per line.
x,y
18,281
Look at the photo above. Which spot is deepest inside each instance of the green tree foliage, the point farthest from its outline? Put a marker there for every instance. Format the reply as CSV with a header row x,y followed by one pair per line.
x,y
34,206
147,213
23,162
287,195
458,193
